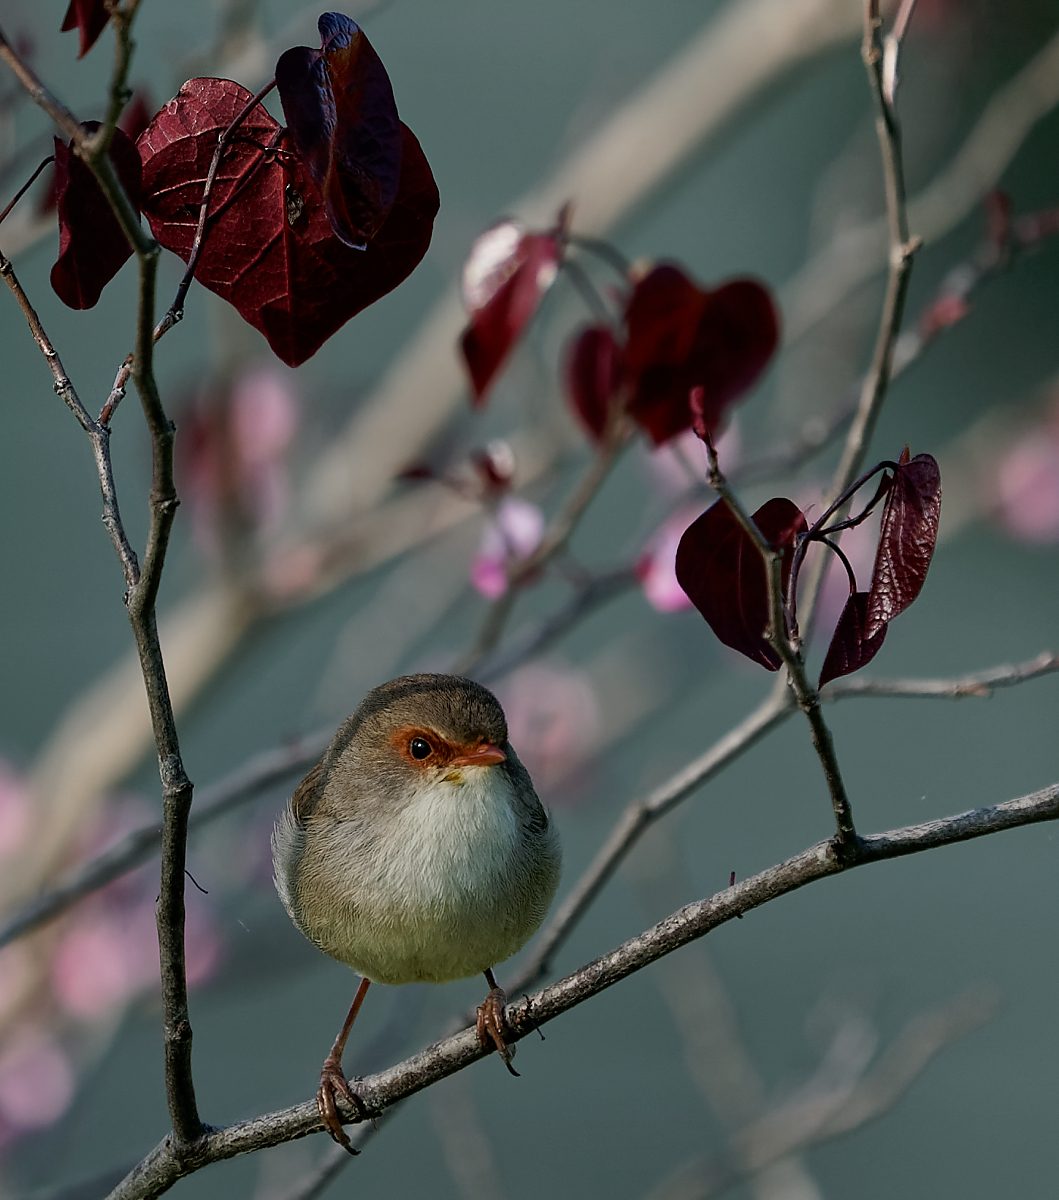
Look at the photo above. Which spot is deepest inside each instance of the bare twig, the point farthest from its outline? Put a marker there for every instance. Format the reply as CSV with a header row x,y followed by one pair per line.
x,y
556,538
142,583
782,641
978,684
854,256
162,1167
842,1097
902,249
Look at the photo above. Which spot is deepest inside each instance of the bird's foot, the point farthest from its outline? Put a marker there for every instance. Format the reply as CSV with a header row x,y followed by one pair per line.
x,y
333,1083
492,1026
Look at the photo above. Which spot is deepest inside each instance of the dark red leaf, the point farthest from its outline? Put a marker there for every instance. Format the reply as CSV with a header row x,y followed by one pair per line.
x,y
722,572
269,249
92,246
593,372
504,278
907,535
343,121
90,18
134,119
850,649
681,337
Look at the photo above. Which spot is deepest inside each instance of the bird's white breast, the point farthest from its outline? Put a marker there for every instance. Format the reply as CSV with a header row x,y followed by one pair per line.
x,y
446,887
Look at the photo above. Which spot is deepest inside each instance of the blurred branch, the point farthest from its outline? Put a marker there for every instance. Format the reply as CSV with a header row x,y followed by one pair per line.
x,y
554,541
847,1092
855,255
162,1167
902,246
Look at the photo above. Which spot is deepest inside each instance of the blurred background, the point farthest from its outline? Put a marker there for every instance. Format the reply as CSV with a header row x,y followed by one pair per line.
x,y
890,1032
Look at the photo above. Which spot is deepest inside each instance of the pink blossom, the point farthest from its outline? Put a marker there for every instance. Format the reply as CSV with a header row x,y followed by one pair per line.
x,y
233,453
36,1081
1027,487
513,532
656,569
95,967
553,719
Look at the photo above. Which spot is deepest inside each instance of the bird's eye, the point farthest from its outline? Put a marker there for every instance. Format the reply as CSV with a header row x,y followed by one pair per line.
x,y
420,748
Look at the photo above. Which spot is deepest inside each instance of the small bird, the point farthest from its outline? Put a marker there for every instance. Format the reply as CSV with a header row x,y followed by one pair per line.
x,y
416,850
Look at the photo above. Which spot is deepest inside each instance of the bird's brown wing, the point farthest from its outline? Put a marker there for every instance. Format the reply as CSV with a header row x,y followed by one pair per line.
x,y
307,794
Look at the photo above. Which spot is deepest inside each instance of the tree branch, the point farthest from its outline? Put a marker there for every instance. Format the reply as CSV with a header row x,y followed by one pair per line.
x,y
789,651
902,249
141,584
162,1167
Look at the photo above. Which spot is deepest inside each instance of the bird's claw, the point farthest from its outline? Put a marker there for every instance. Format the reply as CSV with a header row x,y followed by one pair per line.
x,y
333,1082
491,1025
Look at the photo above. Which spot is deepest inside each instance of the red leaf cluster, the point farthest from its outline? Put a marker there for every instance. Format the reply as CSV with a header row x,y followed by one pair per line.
x,y
305,226
269,249
504,279
678,339
92,245
722,571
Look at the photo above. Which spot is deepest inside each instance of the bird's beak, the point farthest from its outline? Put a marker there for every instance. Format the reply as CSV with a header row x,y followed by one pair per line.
x,y
485,755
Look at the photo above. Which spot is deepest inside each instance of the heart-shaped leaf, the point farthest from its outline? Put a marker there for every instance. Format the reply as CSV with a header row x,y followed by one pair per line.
x,y
89,18
92,245
342,119
907,536
269,248
850,648
722,571
505,276
593,373
681,337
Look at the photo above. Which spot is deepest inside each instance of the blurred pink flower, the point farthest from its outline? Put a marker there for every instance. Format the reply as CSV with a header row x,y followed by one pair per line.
x,y
232,458
97,965
656,569
36,1081
553,719
513,531
14,809
109,955
1027,486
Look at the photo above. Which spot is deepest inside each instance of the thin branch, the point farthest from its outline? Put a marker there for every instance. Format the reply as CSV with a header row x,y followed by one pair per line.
x,y
246,782
25,187
162,1167
779,637
141,585
38,93
842,1098
978,684
98,435
902,249
556,538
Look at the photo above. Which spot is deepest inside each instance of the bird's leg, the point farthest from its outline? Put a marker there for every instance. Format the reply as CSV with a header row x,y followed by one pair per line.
x,y
333,1080
491,1023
